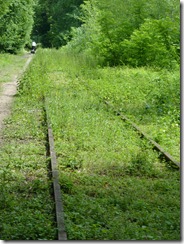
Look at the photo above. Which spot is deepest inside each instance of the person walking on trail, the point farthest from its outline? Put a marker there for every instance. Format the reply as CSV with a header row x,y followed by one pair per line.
x,y
33,47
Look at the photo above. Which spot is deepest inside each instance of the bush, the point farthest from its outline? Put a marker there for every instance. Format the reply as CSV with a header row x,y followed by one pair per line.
x,y
154,44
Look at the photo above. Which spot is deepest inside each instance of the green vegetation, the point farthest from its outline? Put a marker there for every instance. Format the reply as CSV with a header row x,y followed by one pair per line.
x,y
26,205
16,24
135,33
53,21
11,66
27,210
115,187
152,102
128,32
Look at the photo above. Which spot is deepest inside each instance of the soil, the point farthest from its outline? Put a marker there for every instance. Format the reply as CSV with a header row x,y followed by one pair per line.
x,y
7,94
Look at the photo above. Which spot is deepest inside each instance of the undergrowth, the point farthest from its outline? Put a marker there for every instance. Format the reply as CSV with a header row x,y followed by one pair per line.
x,y
26,204
27,208
114,185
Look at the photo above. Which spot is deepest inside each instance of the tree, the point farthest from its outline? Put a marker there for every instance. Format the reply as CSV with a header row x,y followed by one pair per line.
x,y
4,7
54,20
16,25
109,25
153,44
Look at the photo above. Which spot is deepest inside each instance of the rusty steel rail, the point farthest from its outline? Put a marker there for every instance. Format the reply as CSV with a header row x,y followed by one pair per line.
x,y
165,154
61,233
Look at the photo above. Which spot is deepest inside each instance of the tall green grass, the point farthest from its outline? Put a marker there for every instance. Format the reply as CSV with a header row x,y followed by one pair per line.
x,y
114,186
149,97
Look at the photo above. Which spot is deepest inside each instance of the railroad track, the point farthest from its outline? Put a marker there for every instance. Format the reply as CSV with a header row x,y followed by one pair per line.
x,y
156,146
59,211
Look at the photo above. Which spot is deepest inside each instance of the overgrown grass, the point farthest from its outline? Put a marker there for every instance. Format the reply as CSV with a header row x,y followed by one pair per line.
x,y
115,187
149,97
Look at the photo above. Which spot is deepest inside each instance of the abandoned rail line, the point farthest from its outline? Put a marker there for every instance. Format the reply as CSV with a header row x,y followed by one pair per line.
x,y
169,158
59,211
62,235
156,146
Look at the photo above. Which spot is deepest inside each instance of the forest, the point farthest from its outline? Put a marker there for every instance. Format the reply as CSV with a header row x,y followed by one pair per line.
x,y
128,32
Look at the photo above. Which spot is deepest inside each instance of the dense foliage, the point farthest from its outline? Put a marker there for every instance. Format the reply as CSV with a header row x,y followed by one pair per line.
x,y
16,21
130,32
53,21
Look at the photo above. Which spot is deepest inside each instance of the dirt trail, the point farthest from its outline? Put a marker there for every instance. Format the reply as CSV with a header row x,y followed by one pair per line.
x,y
9,90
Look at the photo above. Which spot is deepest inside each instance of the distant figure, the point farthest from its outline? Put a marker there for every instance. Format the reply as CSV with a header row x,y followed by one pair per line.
x,y
33,47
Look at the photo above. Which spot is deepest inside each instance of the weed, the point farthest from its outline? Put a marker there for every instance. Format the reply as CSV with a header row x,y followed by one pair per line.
x,y
114,185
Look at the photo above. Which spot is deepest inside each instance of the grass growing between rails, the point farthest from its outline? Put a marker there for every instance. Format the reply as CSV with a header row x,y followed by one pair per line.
x,y
114,185
150,98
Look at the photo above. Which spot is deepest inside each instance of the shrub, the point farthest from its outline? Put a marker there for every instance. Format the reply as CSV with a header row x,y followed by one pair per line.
x,y
153,44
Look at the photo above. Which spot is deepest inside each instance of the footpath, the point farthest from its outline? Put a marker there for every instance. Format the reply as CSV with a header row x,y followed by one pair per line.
x,y
7,94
